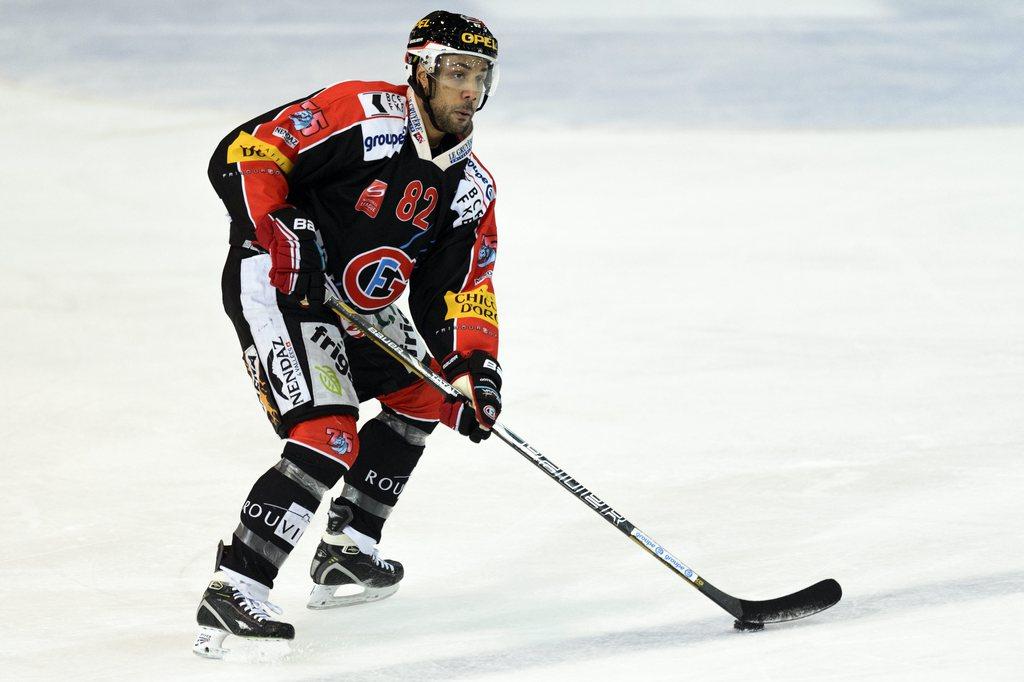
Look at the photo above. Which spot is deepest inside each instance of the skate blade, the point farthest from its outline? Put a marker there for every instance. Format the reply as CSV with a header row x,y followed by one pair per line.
x,y
323,597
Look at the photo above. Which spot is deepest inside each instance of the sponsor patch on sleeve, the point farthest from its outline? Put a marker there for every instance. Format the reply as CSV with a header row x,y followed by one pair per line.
x,y
309,119
479,303
382,104
288,138
249,148
382,138
474,194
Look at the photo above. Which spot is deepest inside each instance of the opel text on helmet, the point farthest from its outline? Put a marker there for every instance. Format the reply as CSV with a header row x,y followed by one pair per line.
x,y
455,51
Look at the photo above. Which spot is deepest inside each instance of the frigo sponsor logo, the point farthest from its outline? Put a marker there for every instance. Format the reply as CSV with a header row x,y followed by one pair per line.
x,y
479,303
329,380
322,338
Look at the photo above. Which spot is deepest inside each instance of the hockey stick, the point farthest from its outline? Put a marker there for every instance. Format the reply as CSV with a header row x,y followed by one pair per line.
x,y
750,615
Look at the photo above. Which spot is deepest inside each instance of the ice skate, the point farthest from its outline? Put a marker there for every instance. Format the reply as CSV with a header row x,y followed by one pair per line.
x,y
233,605
339,561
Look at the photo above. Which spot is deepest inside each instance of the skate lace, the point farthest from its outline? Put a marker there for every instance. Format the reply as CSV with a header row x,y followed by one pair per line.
x,y
381,562
260,610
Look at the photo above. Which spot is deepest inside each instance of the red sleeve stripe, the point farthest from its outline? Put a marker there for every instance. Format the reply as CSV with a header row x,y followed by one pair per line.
x,y
245,195
264,188
293,252
481,334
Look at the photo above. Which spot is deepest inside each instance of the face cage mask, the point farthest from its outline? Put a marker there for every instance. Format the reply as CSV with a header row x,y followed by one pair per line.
x,y
454,69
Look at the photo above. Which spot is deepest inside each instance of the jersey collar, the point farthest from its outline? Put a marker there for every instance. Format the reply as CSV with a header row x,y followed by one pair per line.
x,y
418,133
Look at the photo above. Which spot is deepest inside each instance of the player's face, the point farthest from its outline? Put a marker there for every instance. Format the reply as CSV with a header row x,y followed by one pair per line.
x,y
460,84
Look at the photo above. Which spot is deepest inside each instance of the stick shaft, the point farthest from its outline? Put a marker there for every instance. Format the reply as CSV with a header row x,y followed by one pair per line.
x,y
534,456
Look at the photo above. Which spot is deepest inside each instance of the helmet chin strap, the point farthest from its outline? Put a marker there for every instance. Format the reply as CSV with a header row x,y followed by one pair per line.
x,y
414,83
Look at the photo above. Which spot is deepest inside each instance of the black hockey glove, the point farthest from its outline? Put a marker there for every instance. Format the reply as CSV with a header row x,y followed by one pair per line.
x,y
297,258
478,375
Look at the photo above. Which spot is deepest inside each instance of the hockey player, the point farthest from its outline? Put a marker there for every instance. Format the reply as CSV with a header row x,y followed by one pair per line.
x,y
363,189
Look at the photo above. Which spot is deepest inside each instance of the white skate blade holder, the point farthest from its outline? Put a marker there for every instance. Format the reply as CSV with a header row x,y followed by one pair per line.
x,y
324,597
210,644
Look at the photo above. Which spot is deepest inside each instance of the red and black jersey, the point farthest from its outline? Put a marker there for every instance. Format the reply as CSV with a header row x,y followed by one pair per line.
x,y
392,214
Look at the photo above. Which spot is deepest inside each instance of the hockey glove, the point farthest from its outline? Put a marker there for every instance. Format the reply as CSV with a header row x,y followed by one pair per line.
x,y
477,375
297,258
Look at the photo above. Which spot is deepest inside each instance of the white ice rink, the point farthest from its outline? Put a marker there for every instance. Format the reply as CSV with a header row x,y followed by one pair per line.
x,y
787,351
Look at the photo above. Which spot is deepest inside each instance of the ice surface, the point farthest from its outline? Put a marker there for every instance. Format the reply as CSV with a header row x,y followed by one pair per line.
x,y
788,354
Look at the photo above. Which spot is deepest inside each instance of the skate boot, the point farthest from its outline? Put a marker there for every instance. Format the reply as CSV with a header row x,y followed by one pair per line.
x,y
234,605
339,561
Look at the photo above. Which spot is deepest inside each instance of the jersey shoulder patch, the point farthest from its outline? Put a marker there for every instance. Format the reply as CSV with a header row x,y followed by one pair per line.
x,y
350,102
475,193
383,137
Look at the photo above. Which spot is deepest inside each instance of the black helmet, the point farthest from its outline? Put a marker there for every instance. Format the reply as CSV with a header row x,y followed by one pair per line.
x,y
443,33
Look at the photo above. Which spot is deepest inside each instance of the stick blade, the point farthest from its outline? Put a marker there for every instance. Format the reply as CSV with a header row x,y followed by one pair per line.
x,y
806,602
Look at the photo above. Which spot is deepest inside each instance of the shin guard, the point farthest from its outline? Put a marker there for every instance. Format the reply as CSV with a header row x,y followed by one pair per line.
x,y
279,507
390,447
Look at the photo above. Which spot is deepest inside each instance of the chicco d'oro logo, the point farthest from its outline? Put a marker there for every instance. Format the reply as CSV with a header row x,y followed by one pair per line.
x,y
376,278
479,303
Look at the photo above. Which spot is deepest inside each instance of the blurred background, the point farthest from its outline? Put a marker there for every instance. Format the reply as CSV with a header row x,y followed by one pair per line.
x,y
685,63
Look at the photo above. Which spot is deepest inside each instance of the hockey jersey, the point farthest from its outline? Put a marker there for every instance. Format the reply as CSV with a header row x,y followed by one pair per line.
x,y
393,215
